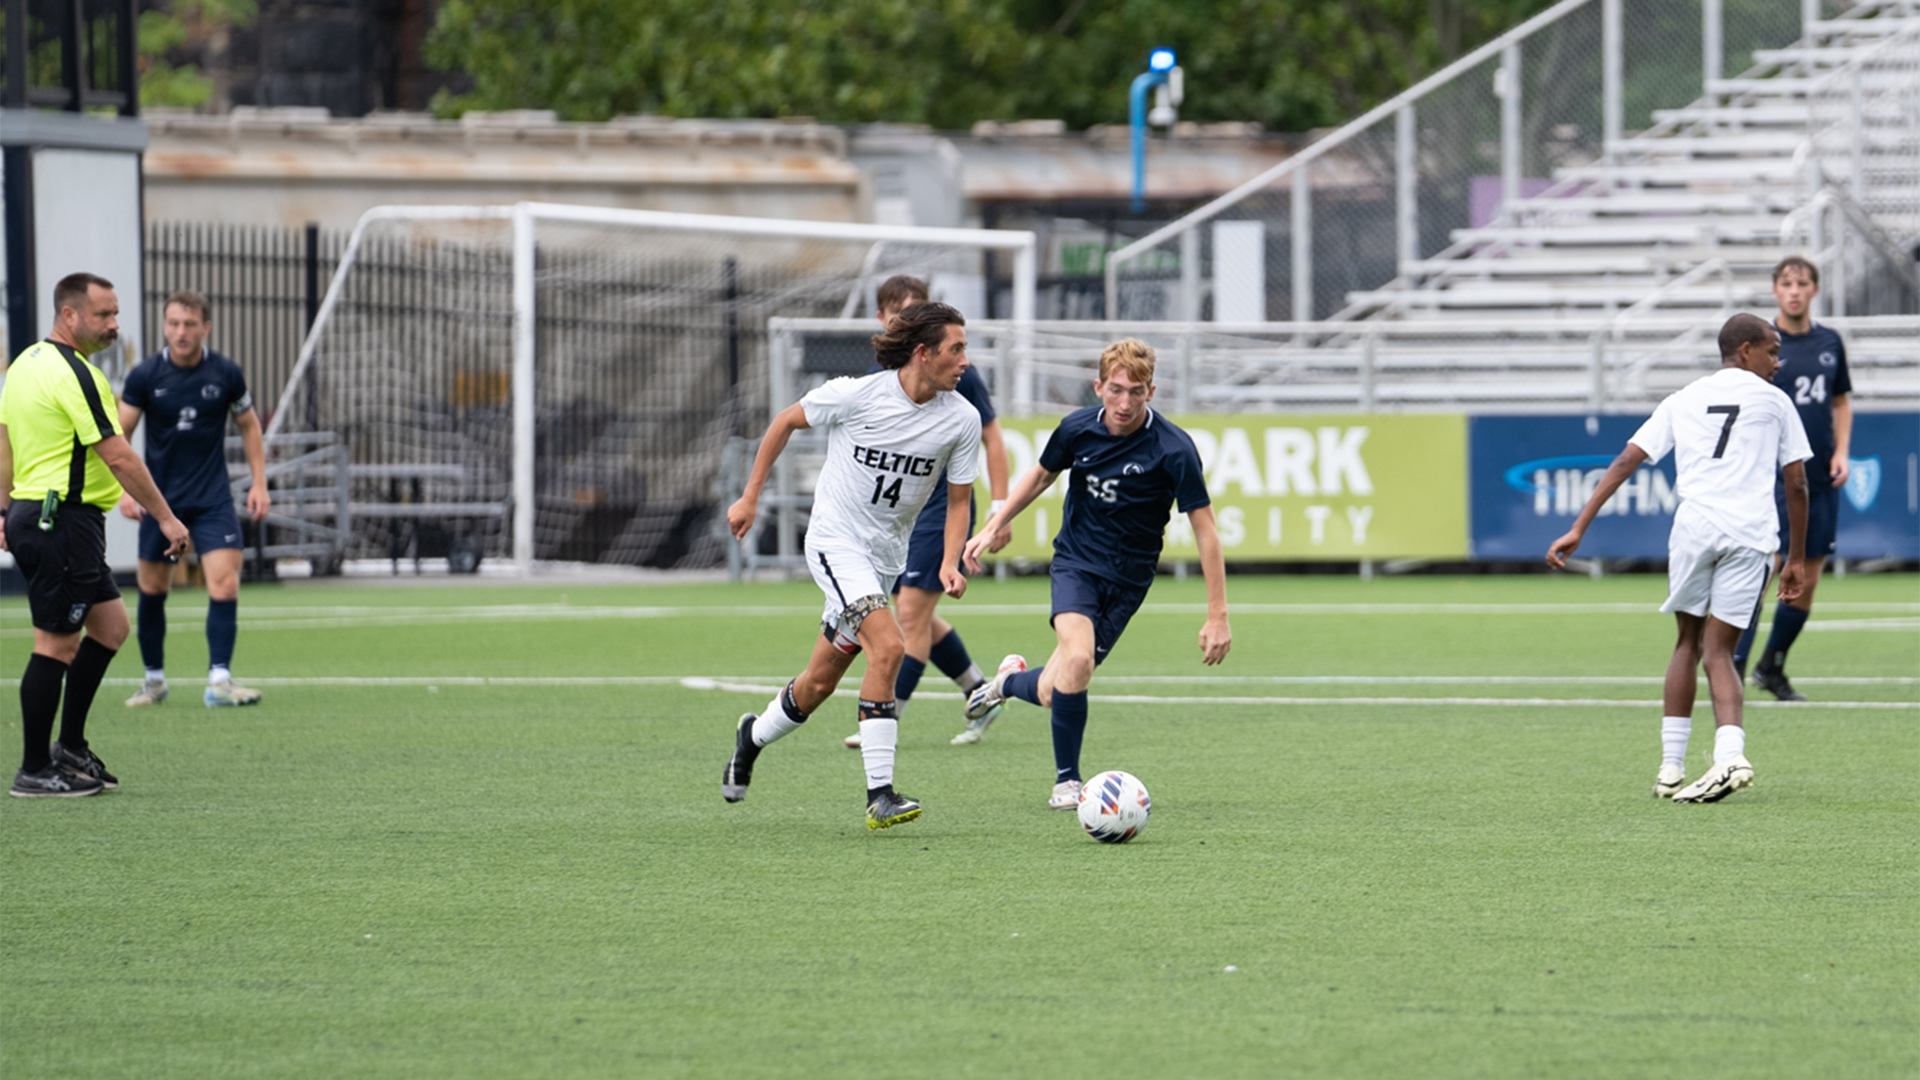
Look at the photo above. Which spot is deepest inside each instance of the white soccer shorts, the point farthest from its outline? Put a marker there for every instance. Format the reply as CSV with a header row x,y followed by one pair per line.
x,y
853,589
1709,574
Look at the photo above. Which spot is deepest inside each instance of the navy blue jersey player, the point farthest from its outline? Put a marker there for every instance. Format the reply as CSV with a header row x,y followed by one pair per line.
x,y
1128,467
186,392
1813,372
917,592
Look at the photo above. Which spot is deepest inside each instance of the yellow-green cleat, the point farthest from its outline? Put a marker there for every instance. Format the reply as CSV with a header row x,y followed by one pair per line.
x,y
889,809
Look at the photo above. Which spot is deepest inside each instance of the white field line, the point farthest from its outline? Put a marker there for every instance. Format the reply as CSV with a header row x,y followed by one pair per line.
x,y
774,682
337,618
765,686
1146,699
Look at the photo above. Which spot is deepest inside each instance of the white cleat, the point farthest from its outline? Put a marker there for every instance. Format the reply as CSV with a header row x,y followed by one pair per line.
x,y
1719,782
225,694
1066,796
977,729
152,692
988,695
853,741
1668,784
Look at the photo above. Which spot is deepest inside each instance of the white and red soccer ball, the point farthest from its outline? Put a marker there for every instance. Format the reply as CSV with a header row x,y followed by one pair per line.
x,y
1114,807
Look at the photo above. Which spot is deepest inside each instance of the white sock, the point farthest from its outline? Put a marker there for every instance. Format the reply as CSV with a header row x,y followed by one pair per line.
x,y
1674,731
970,678
218,674
773,723
1729,742
877,740
155,674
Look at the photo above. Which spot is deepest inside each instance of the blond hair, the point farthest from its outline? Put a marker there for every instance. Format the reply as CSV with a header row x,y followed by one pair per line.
x,y
1131,355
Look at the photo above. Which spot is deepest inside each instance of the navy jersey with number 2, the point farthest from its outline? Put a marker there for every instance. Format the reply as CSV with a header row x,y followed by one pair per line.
x,y
1120,493
186,412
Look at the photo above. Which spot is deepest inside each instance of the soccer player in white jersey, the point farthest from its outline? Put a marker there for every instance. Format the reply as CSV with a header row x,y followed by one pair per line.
x,y
1730,433
889,437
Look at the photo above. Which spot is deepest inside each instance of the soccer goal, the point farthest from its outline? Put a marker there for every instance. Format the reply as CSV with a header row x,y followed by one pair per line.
x,y
548,382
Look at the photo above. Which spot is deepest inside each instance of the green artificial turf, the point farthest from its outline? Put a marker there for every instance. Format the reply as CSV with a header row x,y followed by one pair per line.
x,y
534,877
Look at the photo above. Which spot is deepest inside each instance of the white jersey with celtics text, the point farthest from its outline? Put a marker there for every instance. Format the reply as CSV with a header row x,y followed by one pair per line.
x,y
884,458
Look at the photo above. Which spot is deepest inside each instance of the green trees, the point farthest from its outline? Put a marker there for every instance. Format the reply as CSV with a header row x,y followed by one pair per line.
x,y
1289,64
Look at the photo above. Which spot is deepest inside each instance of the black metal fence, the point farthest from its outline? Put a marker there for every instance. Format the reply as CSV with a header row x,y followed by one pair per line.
x,y
264,284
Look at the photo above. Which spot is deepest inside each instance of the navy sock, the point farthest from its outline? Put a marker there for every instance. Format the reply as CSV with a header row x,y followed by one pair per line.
x,y
949,654
1788,621
83,681
1069,727
39,701
153,630
909,677
1025,685
1745,648
223,625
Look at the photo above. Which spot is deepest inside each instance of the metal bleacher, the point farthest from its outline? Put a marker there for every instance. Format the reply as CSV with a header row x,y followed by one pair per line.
x,y
1695,211
1597,287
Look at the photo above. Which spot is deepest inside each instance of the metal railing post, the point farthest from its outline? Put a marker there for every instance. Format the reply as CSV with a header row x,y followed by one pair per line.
x,y
523,387
1508,81
1368,348
1026,277
1712,46
1302,241
1611,68
1597,374
1809,14
1406,184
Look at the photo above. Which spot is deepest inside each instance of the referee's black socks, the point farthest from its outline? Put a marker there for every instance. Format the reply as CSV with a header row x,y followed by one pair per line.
x,y
39,701
83,681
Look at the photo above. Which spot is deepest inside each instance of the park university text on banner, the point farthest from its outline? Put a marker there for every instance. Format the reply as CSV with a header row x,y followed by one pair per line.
x,y
1532,474
1297,487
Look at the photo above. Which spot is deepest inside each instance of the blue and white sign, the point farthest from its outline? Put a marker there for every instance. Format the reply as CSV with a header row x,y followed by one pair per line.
x,y
1880,503
1529,476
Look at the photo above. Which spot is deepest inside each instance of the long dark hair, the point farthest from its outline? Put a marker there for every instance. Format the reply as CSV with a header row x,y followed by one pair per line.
x,y
921,324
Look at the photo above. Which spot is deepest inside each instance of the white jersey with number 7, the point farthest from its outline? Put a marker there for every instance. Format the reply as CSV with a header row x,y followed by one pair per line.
x,y
1731,433
884,456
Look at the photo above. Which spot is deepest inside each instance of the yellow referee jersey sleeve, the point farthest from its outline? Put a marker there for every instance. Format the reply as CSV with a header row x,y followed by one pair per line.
x,y
55,406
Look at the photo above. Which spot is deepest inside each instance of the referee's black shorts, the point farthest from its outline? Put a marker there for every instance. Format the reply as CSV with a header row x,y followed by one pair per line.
x,y
66,567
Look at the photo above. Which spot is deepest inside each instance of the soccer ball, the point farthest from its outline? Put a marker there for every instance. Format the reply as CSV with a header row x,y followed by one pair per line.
x,y
1114,807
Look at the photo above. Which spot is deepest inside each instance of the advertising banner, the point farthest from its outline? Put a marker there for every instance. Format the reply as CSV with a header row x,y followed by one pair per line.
x,y
1530,475
1297,487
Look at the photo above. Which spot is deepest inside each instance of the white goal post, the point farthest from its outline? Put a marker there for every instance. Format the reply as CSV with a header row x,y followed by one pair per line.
x,y
827,260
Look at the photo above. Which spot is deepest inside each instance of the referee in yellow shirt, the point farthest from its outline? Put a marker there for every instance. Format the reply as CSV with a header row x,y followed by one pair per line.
x,y
63,460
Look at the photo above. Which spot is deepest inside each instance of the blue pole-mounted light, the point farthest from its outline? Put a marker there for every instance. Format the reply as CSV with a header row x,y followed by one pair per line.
x,y
1160,63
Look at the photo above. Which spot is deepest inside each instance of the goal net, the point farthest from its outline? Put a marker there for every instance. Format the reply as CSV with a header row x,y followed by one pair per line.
x,y
550,382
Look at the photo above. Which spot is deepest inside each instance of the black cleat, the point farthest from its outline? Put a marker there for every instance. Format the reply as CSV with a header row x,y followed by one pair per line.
x,y
1774,681
888,809
86,763
733,782
53,782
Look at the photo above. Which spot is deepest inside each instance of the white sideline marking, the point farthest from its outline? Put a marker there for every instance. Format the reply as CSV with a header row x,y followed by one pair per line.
x,y
744,685
332,618
728,686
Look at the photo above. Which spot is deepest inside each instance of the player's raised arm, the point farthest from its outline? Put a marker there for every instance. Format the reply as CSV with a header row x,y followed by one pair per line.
x,y
996,448
1036,480
1216,637
1623,466
741,514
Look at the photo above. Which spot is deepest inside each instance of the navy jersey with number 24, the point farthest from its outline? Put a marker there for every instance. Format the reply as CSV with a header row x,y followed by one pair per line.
x,y
1120,492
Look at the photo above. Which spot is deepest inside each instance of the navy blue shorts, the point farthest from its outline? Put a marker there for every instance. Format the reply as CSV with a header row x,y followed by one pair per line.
x,y
1108,603
1823,520
928,543
212,528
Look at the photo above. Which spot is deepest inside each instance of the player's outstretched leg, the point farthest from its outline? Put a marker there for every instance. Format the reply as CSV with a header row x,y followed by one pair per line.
x,y
153,641
1770,671
754,732
986,700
